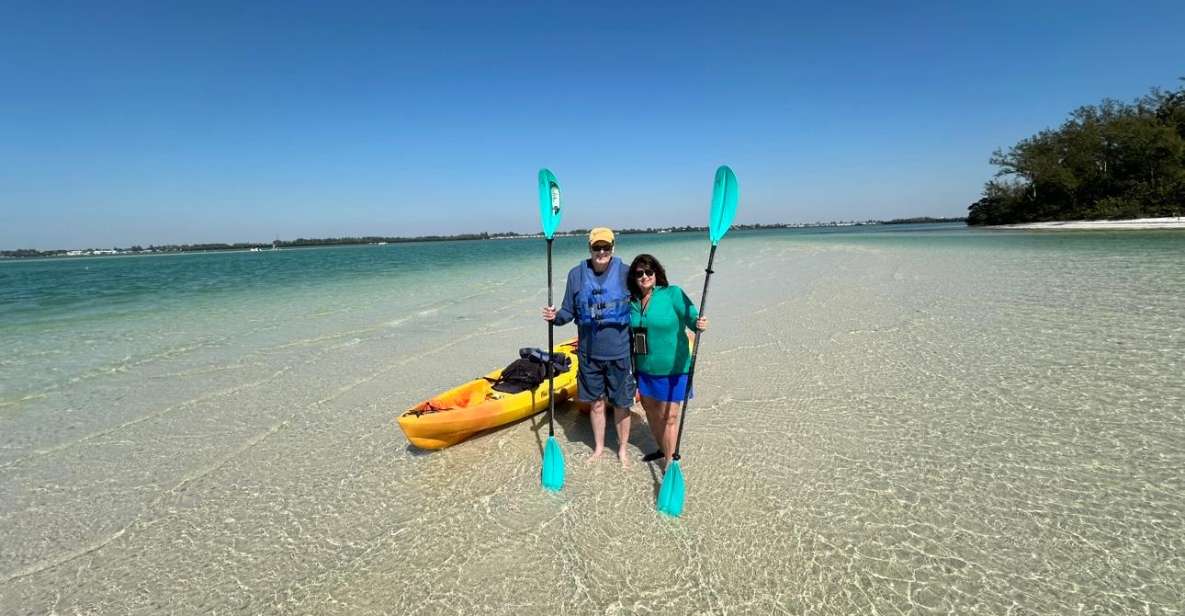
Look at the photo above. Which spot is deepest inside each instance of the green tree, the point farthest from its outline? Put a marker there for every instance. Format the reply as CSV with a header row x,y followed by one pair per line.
x,y
1112,160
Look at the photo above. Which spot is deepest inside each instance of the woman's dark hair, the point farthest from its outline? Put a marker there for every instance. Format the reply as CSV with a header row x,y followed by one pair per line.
x,y
645,262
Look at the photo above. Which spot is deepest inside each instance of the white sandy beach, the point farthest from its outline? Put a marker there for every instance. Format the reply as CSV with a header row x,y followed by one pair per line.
x,y
1175,222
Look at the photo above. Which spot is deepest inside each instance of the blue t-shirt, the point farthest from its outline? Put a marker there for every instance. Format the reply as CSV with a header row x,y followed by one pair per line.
x,y
596,341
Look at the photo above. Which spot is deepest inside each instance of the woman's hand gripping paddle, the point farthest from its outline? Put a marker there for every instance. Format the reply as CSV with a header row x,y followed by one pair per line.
x,y
724,207
549,214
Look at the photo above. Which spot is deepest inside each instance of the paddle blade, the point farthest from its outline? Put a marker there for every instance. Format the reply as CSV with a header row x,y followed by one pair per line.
x,y
725,194
549,202
553,465
670,495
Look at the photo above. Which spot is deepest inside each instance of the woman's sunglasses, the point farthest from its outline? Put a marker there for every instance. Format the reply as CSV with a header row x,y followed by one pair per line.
x,y
601,248
643,272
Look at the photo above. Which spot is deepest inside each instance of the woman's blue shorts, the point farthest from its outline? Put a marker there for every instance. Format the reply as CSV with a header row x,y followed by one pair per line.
x,y
668,388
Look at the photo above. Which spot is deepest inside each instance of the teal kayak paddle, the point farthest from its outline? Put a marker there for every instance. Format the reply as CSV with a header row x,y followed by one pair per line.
x,y
550,211
725,194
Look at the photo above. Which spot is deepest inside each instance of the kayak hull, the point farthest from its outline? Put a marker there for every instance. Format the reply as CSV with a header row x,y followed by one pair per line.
x,y
472,407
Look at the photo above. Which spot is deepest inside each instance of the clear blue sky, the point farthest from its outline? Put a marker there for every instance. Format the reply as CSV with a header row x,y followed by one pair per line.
x,y
164,122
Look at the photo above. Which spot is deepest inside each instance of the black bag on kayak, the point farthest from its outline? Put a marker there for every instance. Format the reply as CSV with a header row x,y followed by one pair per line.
x,y
521,375
562,361
529,371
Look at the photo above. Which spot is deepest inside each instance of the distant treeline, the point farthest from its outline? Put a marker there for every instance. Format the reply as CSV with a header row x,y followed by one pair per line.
x,y
1109,161
921,220
297,243
346,241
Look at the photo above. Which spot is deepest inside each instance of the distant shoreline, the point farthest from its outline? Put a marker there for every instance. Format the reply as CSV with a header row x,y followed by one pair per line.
x,y
1175,222
378,240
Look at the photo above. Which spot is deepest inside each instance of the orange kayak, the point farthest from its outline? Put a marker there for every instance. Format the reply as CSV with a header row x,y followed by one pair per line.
x,y
455,415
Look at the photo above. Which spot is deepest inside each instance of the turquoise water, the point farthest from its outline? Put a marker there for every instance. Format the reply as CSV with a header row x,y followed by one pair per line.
x,y
890,419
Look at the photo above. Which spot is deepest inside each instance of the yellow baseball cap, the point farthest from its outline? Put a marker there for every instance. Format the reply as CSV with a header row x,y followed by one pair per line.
x,y
600,234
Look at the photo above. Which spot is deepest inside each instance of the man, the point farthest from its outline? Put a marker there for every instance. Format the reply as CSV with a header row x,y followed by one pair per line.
x,y
597,298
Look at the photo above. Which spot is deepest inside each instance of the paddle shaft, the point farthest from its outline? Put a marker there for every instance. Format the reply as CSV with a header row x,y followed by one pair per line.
x,y
703,305
550,350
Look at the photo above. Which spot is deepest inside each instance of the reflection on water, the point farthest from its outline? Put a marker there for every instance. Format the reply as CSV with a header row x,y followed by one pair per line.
x,y
887,421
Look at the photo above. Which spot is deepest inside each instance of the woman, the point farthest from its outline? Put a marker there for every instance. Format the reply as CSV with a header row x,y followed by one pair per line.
x,y
660,314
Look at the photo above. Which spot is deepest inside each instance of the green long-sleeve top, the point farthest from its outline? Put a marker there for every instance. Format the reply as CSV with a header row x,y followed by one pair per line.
x,y
666,318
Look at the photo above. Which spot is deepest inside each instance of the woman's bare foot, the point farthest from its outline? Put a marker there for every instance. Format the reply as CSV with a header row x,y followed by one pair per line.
x,y
596,455
624,457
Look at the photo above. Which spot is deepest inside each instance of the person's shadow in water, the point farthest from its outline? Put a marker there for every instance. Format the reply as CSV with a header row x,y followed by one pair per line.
x,y
574,427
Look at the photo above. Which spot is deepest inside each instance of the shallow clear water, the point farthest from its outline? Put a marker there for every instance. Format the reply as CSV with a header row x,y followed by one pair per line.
x,y
894,419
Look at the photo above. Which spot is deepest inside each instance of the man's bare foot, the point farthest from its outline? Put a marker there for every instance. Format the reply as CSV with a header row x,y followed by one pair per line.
x,y
596,455
624,457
